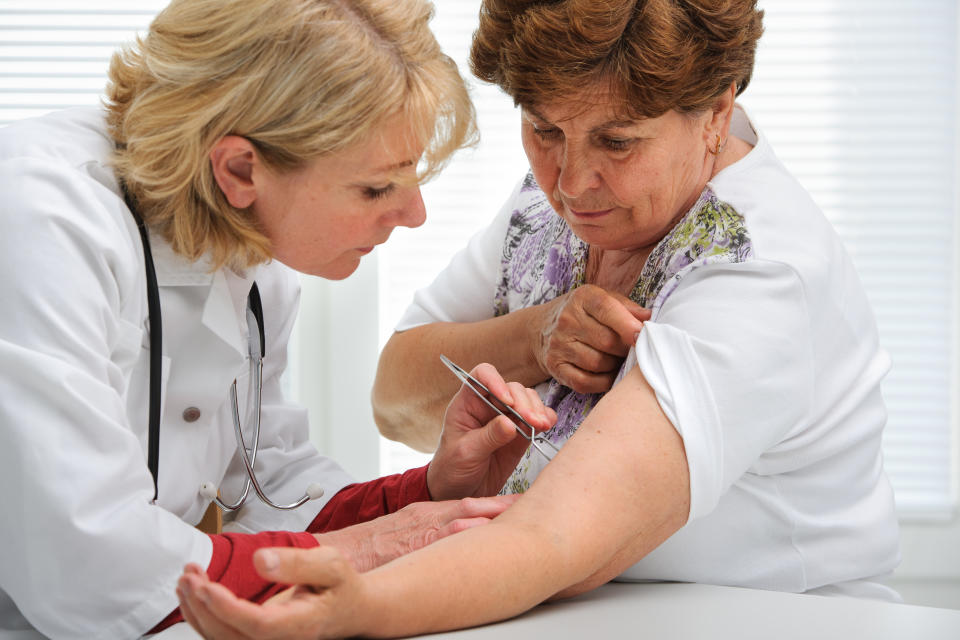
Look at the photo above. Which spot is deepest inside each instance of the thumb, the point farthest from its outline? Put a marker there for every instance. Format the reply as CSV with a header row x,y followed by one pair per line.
x,y
320,566
640,313
492,436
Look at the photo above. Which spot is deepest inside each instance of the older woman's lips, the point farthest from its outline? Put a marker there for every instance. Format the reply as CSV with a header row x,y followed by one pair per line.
x,y
589,215
364,250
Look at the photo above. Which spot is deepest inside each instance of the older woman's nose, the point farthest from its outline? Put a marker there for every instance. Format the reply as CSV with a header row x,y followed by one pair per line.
x,y
577,173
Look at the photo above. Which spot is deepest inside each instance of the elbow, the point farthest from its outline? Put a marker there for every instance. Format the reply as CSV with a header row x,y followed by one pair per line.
x,y
384,414
388,418
400,410
387,412
397,421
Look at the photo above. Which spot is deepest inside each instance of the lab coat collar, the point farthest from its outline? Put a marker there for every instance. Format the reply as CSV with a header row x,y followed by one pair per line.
x,y
224,311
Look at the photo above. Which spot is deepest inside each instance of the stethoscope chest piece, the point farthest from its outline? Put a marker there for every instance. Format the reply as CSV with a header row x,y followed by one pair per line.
x,y
248,455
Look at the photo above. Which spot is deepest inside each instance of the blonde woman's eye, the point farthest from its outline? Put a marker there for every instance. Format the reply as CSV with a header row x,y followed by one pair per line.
x,y
375,193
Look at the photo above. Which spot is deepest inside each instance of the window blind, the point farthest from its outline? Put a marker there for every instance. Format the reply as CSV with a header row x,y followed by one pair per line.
x,y
859,100
54,54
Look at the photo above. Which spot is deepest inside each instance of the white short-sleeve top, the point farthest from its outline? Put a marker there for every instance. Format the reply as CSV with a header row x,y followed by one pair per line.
x,y
764,354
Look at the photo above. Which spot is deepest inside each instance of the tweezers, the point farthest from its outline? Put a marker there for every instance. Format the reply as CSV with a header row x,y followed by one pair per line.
x,y
502,408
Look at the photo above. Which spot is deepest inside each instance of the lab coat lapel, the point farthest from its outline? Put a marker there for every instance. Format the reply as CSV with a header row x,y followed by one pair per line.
x,y
206,348
222,313
224,307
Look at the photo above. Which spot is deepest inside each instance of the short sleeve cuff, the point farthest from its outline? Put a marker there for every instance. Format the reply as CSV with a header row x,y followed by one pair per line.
x,y
668,361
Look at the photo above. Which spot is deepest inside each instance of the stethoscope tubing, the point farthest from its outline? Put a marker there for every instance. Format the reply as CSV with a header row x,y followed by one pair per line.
x,y
257,352
249,455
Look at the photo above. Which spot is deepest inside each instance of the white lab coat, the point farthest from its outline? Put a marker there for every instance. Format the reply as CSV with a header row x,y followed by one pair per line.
x,y
85,554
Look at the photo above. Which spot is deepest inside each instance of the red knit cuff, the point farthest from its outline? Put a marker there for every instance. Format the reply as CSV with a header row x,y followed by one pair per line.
x,y
231,564
365,501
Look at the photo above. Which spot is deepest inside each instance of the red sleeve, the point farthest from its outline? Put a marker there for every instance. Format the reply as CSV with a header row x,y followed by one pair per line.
x,y
365,501
232,565
232,561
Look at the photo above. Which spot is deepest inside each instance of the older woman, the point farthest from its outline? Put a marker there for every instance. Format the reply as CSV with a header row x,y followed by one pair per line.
x,y
237,138
729,434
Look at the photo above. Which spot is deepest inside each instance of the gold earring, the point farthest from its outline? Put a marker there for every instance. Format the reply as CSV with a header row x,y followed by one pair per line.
x,y
721,143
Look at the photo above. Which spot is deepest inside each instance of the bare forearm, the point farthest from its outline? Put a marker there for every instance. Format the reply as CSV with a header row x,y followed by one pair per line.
x,y
412,387
498,571
443,590
616,491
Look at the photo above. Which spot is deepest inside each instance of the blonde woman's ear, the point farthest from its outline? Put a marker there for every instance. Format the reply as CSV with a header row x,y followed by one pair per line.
x,y
232,160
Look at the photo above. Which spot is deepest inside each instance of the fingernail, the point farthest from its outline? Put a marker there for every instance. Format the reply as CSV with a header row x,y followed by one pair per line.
x,y
269,560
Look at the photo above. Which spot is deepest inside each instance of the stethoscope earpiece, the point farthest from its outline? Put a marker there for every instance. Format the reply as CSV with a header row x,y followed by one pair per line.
x,y
208,490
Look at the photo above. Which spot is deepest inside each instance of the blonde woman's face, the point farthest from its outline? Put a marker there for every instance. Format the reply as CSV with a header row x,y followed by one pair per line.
x,y
619,184
323,218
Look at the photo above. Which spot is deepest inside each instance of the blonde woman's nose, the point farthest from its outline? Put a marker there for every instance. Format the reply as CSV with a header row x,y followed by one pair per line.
x,y
414,213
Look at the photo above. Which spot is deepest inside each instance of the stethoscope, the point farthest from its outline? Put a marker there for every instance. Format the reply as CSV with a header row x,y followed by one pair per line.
x,y
257,351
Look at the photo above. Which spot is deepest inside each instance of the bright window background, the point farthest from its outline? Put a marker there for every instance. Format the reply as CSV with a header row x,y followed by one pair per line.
x,y
858,97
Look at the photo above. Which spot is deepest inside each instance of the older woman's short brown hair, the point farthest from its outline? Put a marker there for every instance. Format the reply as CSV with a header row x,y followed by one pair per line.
x,y
656,55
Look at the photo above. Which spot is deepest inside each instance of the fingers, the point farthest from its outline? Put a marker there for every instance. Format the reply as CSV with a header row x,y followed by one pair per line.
x,y
207,607
299,612
318,567
194,569
492,380
610,311
473,512
640,313
521,399
527,403
459,525
489,507
583,381
217,613
187,610
591,332
589,358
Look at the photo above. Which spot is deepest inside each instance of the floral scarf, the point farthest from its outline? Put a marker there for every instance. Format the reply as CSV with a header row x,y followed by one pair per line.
x,y
542,260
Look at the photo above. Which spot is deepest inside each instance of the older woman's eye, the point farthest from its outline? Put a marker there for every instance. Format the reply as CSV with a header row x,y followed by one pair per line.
x,y
375,193
616,144
547,133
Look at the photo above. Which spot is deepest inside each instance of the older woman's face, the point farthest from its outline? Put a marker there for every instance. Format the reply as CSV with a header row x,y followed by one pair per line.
x,y
323,218
619,184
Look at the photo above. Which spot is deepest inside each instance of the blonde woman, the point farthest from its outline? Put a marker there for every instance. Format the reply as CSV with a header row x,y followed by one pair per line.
x,y
243,140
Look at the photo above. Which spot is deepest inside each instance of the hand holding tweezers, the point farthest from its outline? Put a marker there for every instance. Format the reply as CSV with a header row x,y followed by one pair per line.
x,y
523,427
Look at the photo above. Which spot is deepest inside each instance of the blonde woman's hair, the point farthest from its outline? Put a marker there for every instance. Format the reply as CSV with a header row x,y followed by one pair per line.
x,y
298,78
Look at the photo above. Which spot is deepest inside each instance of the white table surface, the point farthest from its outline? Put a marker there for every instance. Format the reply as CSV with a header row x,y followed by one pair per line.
x,y
700,612
705,612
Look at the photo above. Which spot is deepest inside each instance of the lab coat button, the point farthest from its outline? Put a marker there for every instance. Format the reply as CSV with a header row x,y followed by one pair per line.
x,y
191,414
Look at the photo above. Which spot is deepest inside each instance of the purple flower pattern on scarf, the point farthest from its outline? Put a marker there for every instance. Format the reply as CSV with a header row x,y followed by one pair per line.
x,y
542,259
